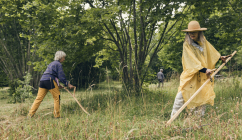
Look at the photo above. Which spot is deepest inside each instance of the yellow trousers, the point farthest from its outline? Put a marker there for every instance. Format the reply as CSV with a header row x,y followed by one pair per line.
x,y
40,96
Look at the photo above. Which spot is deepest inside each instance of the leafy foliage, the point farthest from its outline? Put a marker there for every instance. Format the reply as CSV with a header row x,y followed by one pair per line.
x,y
15,48
137,37
24,90
239,55
3,79
132,27
223,21
83,75
61,25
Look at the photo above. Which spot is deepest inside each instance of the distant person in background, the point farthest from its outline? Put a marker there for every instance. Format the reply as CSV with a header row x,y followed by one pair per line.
x,y
160,77
198,58
48,83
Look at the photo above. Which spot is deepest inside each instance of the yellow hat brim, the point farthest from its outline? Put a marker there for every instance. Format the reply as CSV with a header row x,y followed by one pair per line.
x,y
194,30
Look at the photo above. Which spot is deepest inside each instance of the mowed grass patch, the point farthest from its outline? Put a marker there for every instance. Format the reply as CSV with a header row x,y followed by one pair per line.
x,y
115,114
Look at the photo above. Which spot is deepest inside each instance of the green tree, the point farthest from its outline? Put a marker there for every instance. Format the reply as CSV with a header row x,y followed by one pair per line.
x,y
132,26
3,79
60,25
223,20
24,90
15,49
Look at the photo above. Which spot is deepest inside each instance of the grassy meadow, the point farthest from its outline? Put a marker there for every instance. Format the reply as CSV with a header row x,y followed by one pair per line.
x,y
117,115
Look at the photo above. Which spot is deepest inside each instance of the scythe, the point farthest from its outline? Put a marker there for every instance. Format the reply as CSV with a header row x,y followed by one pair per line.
x,y
195,94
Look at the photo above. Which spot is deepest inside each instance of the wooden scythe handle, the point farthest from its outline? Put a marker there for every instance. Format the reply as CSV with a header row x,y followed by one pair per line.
x,y
213,70
76,99
229,56
195,94
74,91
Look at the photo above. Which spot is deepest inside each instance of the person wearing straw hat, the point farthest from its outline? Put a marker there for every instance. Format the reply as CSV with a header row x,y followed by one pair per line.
x,y
198,58
48,83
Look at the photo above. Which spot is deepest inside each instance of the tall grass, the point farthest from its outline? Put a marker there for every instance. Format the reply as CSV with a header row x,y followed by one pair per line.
x,y
117,115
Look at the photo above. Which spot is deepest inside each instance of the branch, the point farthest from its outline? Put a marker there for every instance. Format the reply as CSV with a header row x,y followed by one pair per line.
x,y
161,40
87,1
135,35
6,71
11,58
162,37
233,7
150,37
9,73
123,27
110,33
126,31
18,40
152,47
117,44
108,39
148,13
112,49
105,30
171,35
113,24
151,34
178,19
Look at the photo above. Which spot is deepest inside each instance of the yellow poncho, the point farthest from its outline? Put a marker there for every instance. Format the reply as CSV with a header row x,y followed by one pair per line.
x,y
191,79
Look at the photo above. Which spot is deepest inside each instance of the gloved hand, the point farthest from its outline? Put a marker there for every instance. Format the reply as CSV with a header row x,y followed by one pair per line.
x,y
223,58
70,86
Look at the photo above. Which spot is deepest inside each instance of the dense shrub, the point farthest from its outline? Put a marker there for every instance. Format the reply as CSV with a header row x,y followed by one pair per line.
x,y
23,91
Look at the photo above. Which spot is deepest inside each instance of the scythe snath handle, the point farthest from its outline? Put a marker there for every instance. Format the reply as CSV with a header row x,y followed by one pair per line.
x,y
195,94
213,70
74,91
229,56
76,99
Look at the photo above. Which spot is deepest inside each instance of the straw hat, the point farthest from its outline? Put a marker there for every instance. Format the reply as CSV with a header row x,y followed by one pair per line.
x,y
194,26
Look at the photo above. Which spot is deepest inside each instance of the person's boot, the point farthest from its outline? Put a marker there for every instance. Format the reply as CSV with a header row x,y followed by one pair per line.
x,y
177,103
29,117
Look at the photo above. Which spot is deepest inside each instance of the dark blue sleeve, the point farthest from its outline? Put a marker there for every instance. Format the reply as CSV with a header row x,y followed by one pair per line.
x,y
61,75
203,70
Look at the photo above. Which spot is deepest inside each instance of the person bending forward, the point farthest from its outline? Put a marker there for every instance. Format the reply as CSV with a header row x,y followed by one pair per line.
x,y
48,83
198,58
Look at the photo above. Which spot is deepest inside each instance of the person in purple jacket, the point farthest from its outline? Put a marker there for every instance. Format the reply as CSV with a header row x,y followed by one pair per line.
x,y
48,83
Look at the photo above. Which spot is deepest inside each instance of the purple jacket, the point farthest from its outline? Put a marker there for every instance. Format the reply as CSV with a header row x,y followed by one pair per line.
x,y
53,70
